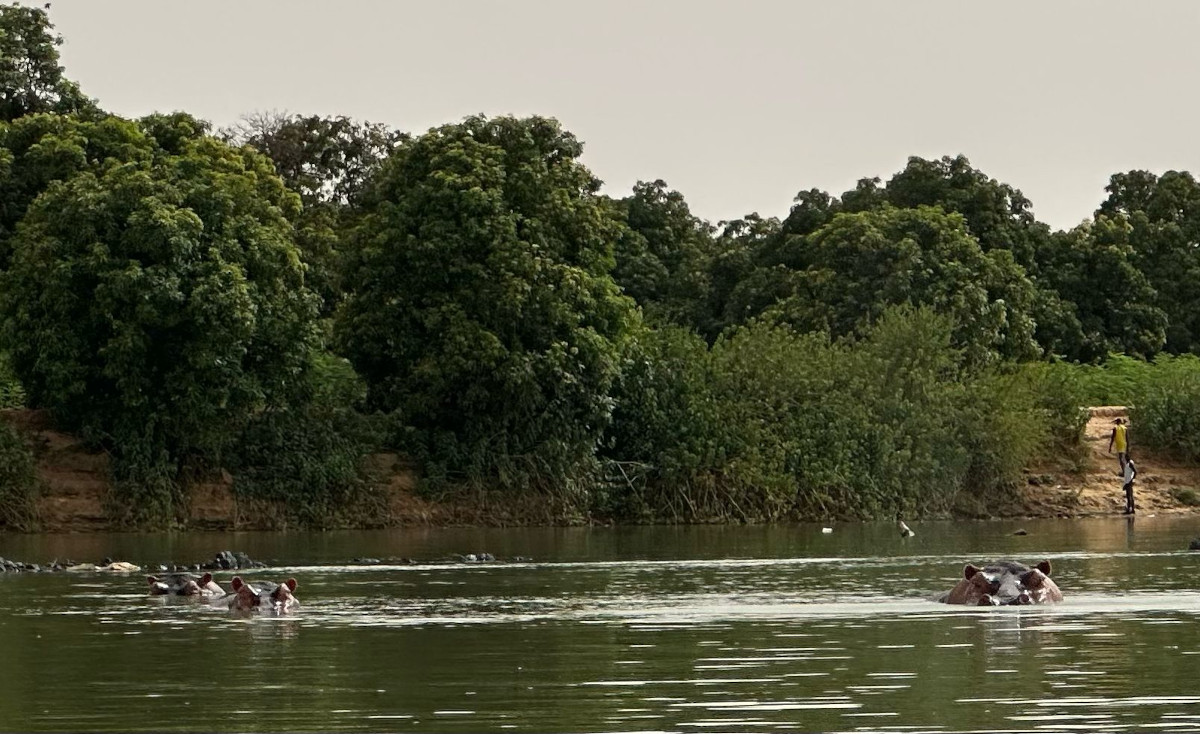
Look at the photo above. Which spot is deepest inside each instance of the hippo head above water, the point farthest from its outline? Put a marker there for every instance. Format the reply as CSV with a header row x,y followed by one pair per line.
x,y
277,598
1004,583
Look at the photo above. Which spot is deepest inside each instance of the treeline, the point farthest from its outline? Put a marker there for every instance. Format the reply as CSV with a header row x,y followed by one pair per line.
x,y
280,299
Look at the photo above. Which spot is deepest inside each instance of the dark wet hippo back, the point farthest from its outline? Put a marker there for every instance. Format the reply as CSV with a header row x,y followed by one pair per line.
x,y
1003,583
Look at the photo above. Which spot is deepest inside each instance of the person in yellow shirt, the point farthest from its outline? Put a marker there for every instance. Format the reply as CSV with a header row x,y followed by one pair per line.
x,y
1120,441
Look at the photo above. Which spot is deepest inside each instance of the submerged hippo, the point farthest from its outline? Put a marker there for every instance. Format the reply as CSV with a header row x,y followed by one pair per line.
x,y
1002,583
275,598
185,584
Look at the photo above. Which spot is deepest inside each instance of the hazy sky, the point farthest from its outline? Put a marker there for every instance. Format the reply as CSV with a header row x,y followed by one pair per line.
x,y
738,105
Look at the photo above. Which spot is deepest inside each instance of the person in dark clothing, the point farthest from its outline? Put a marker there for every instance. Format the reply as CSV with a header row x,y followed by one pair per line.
x,y
1130,473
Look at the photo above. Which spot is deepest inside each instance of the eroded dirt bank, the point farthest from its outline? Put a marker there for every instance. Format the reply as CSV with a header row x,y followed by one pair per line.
x,y
75,484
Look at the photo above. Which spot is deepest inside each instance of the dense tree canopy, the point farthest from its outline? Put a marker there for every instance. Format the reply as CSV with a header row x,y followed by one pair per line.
x,y
998,215
481,306
662,258
1092,268
324,159
859,264
1164,215
329,161
37,150
157,299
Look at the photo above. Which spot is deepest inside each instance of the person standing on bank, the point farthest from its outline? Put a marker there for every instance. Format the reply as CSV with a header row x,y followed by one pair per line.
x,y
1120,440
1130,473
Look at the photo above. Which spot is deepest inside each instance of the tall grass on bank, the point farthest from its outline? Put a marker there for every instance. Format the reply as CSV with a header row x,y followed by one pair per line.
x,y
1163,398
1120,380
12,394
1166,408
770,424
306,464
18,482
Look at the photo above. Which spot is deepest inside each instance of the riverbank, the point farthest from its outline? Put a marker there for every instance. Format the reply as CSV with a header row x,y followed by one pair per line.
x,y
74,480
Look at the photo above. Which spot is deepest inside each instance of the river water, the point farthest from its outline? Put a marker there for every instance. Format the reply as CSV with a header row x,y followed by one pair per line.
x,y
738,629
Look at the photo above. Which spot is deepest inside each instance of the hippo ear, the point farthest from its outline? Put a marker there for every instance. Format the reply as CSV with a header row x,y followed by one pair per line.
x,y
1044,567
291,584
969,570
206,579
237,583
151,580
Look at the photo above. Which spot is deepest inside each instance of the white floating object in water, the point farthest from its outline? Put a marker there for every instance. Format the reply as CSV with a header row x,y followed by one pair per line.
x,y
827,530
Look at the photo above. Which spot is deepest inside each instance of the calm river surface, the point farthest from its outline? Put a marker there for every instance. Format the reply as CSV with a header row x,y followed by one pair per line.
x,y
616,630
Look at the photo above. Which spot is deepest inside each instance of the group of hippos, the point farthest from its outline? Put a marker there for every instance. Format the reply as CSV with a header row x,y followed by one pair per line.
x,y
272,598
1003,583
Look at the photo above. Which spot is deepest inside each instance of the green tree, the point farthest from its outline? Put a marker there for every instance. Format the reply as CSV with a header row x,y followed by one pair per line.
x,y
481,308
1000,217
860,264
1092,267
997,214
156,302
31,80
1164,213
737,253
662,258
329,161
37,150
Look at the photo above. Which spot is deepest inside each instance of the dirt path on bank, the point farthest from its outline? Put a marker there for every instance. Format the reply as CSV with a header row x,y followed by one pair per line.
x,y
75,483
1091,485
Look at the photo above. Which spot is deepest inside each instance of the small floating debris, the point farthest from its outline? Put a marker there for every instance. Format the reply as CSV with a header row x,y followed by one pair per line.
x,y
905,530
1020,531
827,531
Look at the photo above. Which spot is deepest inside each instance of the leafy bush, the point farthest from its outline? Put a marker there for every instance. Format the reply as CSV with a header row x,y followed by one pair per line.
x,y
664,430
18,482
1120,380
1186,496
12,395
1166,414
146,489
308,464
770,423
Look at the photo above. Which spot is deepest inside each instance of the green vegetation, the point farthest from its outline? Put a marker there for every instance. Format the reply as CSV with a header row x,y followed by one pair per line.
x,y
480,310
18,483
12,394
284,298
1186,496
304,464
772,423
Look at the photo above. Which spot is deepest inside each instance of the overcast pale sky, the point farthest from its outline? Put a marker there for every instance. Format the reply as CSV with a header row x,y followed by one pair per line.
x,y
738,105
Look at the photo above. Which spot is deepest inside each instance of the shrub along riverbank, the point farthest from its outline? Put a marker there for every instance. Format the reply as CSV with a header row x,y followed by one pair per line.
x,y
766,425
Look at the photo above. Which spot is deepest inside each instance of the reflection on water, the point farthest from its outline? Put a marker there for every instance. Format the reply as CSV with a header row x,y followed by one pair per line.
x,y
617,630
